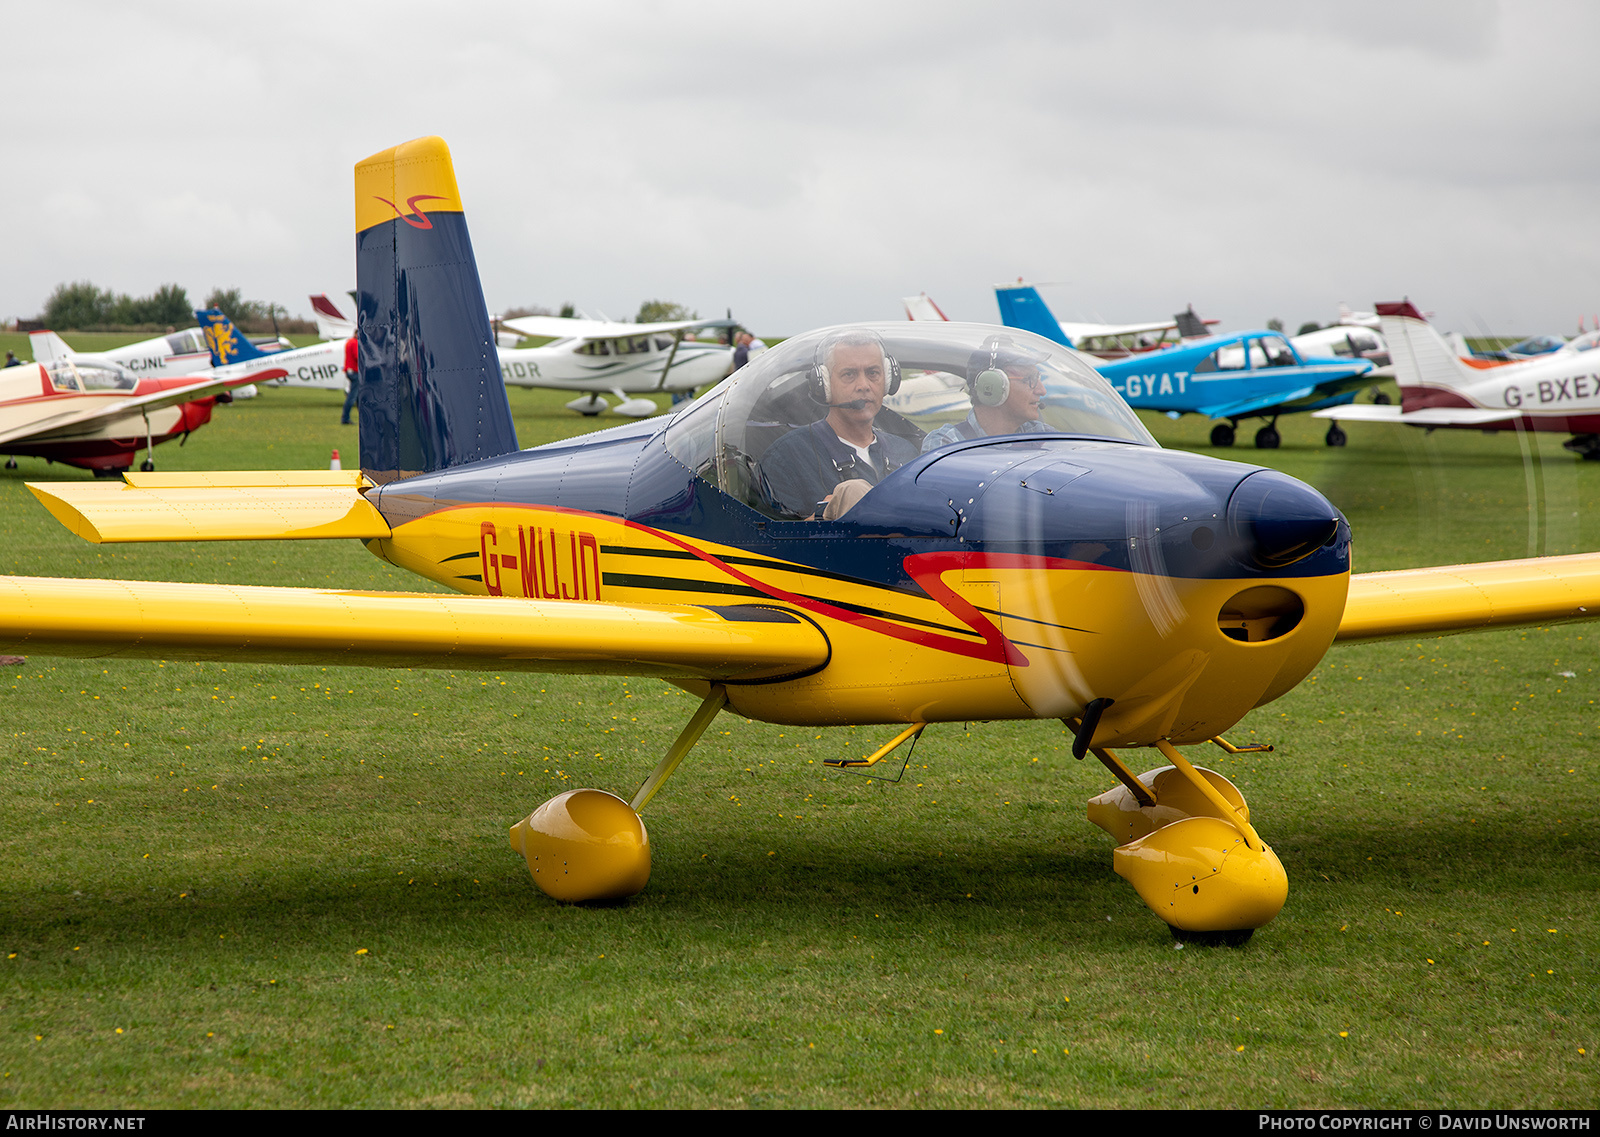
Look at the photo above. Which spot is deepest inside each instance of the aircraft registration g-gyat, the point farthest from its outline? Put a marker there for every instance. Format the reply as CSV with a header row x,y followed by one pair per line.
x,y
1557,392
787,548
1254,374
600,357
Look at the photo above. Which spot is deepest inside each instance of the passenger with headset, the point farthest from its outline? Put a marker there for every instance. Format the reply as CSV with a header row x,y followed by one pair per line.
x,y
1006,388
851,375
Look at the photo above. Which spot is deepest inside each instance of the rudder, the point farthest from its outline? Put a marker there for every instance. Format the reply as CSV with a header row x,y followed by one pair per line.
x,y
1022,307
430,392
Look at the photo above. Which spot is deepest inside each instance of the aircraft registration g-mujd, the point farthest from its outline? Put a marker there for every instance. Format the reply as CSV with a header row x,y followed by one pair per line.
x,y
785,548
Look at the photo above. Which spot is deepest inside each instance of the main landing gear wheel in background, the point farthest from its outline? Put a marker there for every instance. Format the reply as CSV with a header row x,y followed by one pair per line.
x,y
1222,435
147,466
1267,438
1335,436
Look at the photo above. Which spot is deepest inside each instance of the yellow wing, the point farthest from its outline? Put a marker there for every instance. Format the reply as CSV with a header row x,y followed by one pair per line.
x,y
1463,598
379,629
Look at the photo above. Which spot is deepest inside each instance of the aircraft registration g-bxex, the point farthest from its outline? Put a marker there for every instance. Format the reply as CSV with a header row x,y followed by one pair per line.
x,y
600,357
1558,391
1076,572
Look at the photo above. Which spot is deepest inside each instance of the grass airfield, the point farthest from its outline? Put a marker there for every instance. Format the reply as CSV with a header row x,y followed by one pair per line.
x,y
231,886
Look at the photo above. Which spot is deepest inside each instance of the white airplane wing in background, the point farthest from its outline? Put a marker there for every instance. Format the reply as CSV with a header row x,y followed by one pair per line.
x,y
568,327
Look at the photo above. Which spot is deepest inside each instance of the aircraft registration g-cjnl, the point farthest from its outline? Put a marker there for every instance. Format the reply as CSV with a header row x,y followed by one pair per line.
x,y
1148,599
600,357
1557,392
164,357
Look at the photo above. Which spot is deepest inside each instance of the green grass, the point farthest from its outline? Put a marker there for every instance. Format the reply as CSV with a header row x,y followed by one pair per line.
x,y
197,855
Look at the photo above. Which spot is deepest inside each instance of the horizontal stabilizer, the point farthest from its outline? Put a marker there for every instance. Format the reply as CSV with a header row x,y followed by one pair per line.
x,y
1464,598
1427,416
154,620
232,505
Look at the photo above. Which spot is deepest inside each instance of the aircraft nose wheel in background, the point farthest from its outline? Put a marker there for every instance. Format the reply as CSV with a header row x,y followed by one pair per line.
x,y
147,466
1267,438
11,463
1335,436
1222,435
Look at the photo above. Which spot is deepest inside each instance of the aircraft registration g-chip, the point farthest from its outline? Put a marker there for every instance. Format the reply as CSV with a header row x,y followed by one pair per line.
x,y
1076,571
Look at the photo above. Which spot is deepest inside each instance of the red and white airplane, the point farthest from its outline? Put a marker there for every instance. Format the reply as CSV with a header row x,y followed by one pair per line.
x,y
99,415
1556,392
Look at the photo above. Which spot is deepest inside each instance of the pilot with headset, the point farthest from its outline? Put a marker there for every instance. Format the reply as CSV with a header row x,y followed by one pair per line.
x,y
851,376
1004,383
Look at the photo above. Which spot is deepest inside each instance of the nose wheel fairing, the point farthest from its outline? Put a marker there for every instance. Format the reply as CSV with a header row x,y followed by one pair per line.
x,y
1188,848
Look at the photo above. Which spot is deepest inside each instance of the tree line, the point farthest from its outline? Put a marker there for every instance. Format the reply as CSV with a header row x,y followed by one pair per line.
x,y
84,306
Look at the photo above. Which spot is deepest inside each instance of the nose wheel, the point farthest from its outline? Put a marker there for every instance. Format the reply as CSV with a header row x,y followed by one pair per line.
x,y
1189,850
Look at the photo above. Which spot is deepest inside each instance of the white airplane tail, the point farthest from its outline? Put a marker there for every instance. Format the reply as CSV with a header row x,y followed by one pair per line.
x,y
1420,354
48,347
922,307
332,324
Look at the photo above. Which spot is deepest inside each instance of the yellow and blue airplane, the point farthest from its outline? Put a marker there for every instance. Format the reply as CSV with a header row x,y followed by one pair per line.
x,y
783,548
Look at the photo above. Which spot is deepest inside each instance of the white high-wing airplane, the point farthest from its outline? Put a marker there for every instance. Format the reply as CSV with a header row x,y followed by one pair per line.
x,y
163,357
1558,392
600,357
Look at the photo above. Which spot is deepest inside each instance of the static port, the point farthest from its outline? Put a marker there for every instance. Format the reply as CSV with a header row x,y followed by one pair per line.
x,y
1260,614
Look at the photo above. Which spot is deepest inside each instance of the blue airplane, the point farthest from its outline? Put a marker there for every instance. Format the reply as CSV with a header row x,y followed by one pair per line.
x,y
1250,374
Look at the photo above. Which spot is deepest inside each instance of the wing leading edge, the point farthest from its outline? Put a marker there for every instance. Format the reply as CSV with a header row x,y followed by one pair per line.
x,y
154,620
1463,598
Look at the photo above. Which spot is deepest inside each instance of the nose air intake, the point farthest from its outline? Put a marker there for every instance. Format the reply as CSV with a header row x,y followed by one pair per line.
x,y
1280,520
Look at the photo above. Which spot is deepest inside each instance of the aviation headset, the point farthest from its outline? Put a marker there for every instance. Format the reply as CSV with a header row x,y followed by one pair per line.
x,y
819,377
986,377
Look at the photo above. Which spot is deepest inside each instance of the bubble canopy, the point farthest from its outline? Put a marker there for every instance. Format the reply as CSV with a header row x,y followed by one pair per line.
x,y
854,403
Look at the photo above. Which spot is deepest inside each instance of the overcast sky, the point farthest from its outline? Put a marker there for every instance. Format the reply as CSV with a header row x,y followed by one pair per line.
x,y
810,163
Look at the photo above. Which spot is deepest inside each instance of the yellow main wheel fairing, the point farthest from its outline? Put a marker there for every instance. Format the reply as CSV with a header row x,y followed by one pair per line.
x,y
1119,813
585,845
1201,875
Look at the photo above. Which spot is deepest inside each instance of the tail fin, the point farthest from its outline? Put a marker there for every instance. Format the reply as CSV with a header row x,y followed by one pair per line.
x,y
332,324
922,308
1420,355
1021,306
48,347
431,395
226,344
1190,325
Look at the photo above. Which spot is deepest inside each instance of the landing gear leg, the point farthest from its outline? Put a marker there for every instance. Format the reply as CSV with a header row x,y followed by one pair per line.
x,y
149,462
592,845
1189,850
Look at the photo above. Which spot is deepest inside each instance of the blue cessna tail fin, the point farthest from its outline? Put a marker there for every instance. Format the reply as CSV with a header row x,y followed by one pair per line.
x,y
430,392
226,342
1022,307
